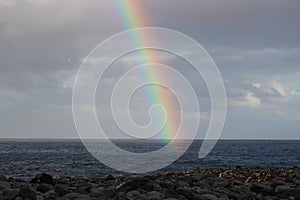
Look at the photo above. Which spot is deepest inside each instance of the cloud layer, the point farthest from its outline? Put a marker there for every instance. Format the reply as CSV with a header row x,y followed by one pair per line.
x,y
255,45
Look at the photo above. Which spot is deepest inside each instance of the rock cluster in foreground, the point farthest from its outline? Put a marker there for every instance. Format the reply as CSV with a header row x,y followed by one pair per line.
x,y
210,184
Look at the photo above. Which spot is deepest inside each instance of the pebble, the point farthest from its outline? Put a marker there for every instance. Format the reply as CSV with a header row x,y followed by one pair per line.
x,y
4,184
27,192
43,188
240,183
3,178
208,197
282,188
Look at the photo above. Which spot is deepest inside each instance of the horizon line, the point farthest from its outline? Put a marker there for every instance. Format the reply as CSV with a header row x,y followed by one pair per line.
x,y
45,138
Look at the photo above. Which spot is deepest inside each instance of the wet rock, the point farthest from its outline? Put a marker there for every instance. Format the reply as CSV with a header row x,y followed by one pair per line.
x,y
208,197
110,177
182,184
154,195
282,188
203,191
47,178
71,195
265,184
83,197
43,188
3,178
43,178
60,190
276,183
4,184
169,193
11,193
101,193
185,191
234,195
257,188
83,190
7,191
42,198
36,178
293,192
137,183
27,192
51,195
268,191
237,182
167,184
132,194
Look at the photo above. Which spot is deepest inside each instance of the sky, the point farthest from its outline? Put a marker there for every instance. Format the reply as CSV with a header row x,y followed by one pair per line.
x,y
255,45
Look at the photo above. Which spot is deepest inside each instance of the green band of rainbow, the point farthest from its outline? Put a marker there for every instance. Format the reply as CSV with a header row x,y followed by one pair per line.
x,y
132,15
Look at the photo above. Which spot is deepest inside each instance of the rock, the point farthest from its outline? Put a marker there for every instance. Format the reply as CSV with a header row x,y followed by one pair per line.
x,y
276,183
182,184
71,195
201,184
101,193
167,184
36,178
27,192
234,195
110,177
53,173
60,190
83,197
10,193
293,192
282,188
237,182
3,178
83,190
43,188
156,187
7,191
257,188
154,195
4,184
208,197
63,181
169,193
51,195
46,178
203,191
43,178
268,191
185,191
42,198
132,194
137,183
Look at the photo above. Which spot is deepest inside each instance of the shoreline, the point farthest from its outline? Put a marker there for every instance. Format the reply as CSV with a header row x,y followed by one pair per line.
x,y
223,183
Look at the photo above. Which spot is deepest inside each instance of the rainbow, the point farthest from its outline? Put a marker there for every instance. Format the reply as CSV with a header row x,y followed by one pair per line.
x,y
133,15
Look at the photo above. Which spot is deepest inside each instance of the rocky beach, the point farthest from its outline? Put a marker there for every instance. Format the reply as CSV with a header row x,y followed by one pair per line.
x,y
206,184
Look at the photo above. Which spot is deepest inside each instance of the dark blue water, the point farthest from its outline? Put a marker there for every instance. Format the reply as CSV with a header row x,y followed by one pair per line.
x,y
24,158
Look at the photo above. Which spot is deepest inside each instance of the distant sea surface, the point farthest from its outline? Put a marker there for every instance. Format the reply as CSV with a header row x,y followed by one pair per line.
x,y
25,158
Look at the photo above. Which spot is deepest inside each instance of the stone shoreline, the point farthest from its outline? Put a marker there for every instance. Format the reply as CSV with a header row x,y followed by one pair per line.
x,y
206,184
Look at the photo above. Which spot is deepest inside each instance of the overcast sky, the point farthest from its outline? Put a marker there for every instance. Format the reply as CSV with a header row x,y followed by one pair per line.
x,y
255,44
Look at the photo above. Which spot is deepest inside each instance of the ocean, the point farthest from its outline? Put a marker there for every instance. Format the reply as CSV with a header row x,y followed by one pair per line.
x,y
23,159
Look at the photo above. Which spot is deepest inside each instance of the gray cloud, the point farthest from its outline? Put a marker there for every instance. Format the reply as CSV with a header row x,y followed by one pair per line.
x,y
255,44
